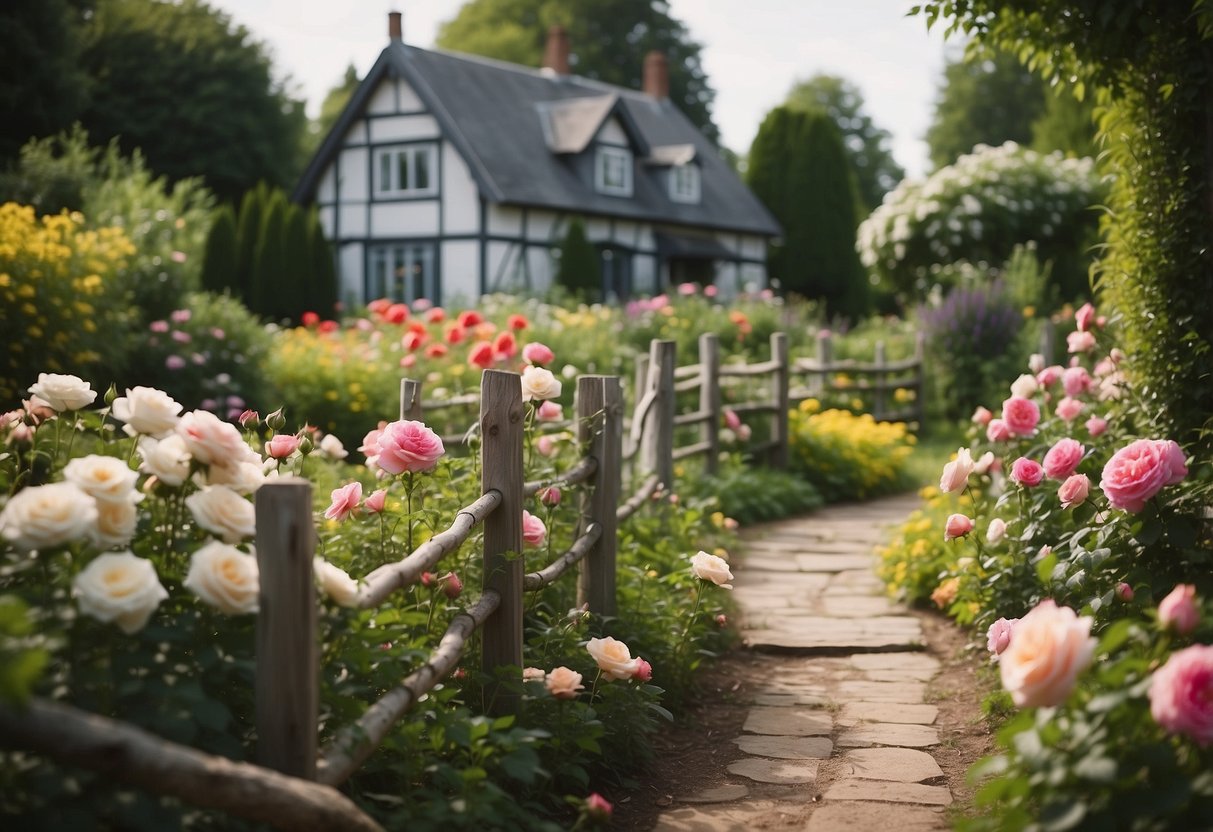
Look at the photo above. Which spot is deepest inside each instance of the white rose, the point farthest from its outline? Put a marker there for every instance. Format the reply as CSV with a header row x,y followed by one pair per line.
x,y
146,410
103,477
982,465
63,392
225,578
119,588
711,568
167,459
47,515
1036,362
996,531
1024,386
244,478
221,510
331,447
539,384
116,522
613,657
336,583
212,441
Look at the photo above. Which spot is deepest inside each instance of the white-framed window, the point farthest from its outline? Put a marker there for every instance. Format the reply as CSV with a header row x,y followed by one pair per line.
x,y
684,183
406,170
402,272
613,171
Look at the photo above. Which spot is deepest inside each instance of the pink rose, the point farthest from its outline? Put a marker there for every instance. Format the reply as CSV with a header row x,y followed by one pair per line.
x,y
549,412
546,445
550,496
345,501
957,525
998,636
370,446
1096,426
1068,409
1063,458
1050,647
1138,471
533,530
1021,415
956,473
997,431
452,587
408,446
281,445
1049,375
982,416
1074,490
212,441
1104,367
1076,381
374,503
1084,317
1179,610
598,807
1080,342
731,420
1124,592
1181,694
644,670
1027,472
563,683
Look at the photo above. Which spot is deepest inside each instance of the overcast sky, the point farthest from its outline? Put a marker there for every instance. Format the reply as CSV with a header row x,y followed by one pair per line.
x,y
753,50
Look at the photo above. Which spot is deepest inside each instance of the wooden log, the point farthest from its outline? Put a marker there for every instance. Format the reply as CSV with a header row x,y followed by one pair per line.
x,y
354,743
552,572
779,393
699,417
709,398
704,448
131,755
287,677
642,496
410,399
579,473
600,426
657,439
760,368
501,419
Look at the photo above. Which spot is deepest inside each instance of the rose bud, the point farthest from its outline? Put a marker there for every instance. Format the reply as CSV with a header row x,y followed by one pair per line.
x,y
452,587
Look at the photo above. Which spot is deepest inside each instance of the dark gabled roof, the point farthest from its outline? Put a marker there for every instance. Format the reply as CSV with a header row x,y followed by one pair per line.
x,y
498,116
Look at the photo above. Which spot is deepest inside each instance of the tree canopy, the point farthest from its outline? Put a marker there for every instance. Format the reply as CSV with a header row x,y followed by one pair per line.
x,y
876,171
608,41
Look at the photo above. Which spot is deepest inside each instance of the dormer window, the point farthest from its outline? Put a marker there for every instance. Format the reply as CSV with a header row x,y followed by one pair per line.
x,y
684,183
406,170
613,171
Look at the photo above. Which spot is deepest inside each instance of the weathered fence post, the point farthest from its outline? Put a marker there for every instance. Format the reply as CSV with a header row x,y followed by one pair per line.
x,y
410,399
600,426
920,383
779,392
501,470
878,384
657,440
287,677
825,359
709,396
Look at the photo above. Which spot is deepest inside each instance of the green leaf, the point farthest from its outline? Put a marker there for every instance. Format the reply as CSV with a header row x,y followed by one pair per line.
x,y
1057,817
1045,567
1096,768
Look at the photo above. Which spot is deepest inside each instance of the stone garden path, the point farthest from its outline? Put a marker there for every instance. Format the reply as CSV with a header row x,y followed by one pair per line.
x,y
838,736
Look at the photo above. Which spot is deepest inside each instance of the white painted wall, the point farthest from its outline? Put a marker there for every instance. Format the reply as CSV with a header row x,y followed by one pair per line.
x,y
328,216
753,277
403,128
383,99
413,218
353,220
597,229
349,261
543,274
460,280
327,190
460,197
353,185
497,279
612,132
644,274
540,225
409,102
357,132
505,220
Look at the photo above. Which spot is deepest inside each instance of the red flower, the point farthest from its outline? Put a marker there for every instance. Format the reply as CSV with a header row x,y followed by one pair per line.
x,y
517,322
481,355
396,313
412,340
328,326
505,346
456,335
435,351
469,318
309,319
436,315
378,306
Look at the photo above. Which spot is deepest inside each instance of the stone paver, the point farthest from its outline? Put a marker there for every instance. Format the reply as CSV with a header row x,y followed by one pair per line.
x,y
834,740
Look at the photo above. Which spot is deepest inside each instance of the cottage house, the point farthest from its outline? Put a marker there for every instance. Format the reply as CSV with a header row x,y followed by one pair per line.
x,y
449,176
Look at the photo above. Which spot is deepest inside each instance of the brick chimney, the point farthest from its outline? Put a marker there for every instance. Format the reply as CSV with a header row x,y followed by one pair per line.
x,y
556,53
656,75
395,29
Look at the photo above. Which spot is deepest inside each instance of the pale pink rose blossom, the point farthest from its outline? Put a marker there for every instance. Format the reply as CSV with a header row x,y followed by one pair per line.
x,y
1080,342
1049,375
375,502
212,441
998,431
563,683
731,420
743,433
1140,470
613,657
534,533
597,806
281,445
1181,694
708,567
550,496
1084,317
956,473
1063,458
1027,472
546,446
958,525
1024,386
1096,426
984,463
1036,362
344,501
407,445
1021,415
1051,645
998,636
1076,381
1105,366
982,416
1179,611
1074,490
996,531
533,674
538,354
1124,592
549,412
1069,409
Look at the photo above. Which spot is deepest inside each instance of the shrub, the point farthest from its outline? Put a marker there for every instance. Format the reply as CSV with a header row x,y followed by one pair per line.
x,y
752,494
578,270
847,456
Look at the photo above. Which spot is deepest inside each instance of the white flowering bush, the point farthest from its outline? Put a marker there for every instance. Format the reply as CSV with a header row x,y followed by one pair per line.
x,y
976,211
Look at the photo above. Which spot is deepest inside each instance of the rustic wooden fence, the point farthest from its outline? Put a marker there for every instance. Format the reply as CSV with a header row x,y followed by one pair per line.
x,y
293,786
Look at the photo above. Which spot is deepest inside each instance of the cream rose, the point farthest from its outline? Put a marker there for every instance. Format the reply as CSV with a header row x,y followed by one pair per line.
x,y
243,478
147,411
336,583
563,683
1051,646
104,478
613,657
47,515
539,384
225,578
121,588
221,510
63,392
116,522
168,459
712,568
212,441
331,447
